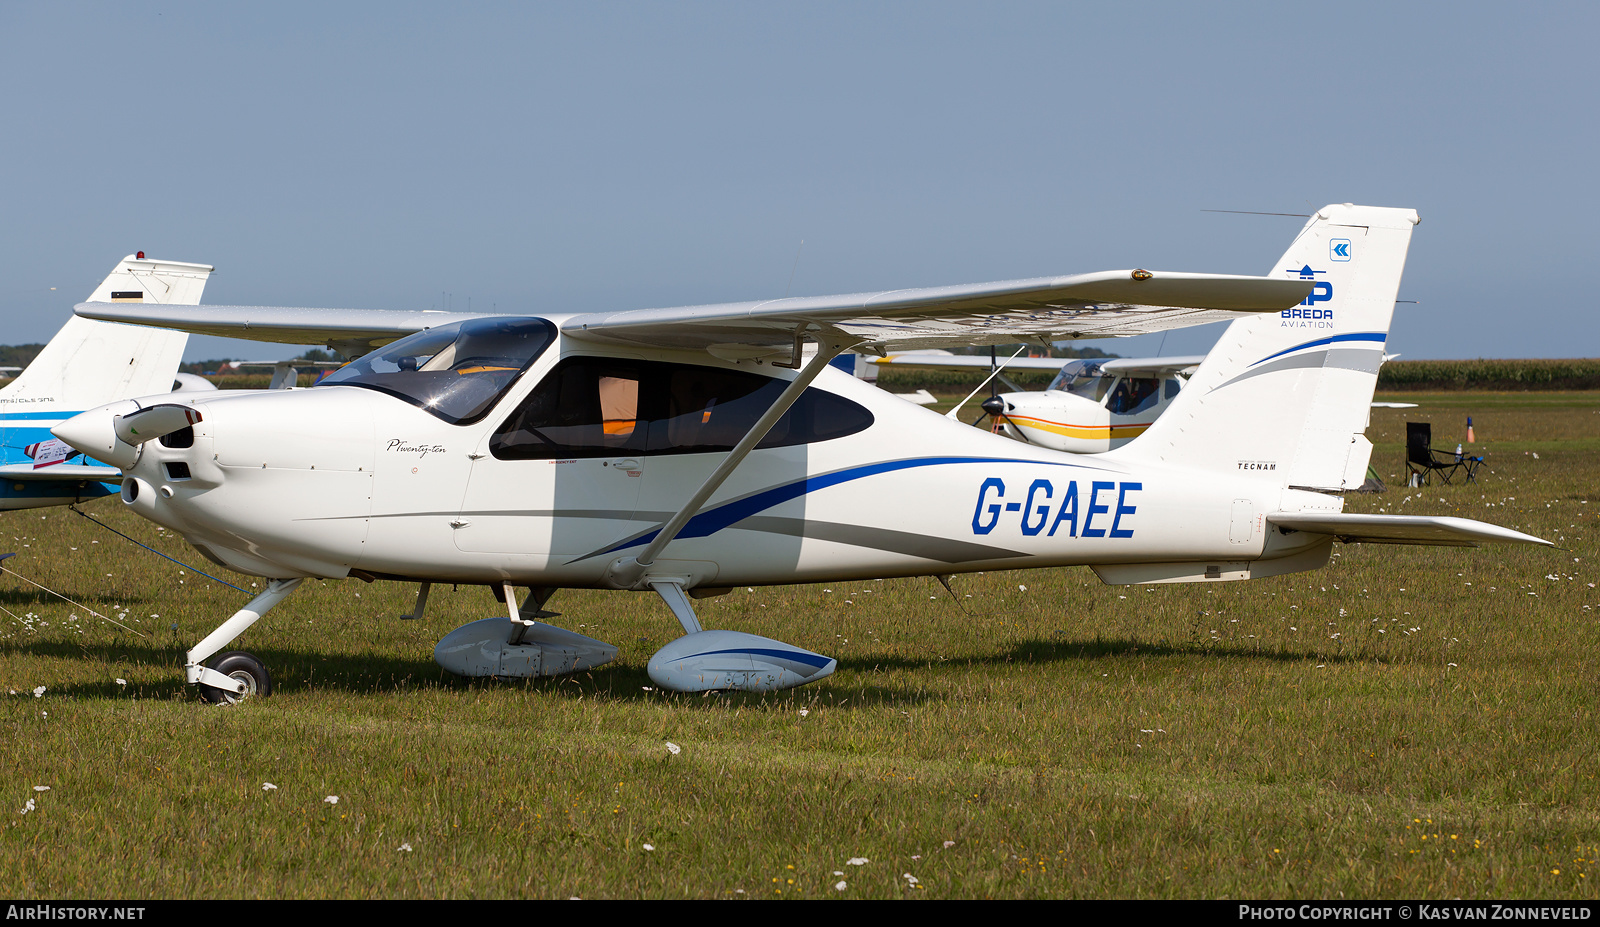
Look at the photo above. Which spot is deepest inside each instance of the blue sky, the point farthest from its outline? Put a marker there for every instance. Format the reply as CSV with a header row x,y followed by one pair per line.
x,y
589,156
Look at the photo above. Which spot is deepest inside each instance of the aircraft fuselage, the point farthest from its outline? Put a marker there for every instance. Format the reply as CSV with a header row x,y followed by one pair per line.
x,y
334,479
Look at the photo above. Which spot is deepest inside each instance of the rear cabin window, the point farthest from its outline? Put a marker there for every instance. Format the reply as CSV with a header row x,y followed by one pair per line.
x,y
1133,395
601,407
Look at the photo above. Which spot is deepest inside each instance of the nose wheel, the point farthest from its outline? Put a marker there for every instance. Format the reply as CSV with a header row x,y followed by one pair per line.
x,y
242,668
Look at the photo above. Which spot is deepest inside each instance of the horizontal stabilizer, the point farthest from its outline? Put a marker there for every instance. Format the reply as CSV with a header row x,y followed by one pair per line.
x,y
60,473
1438,530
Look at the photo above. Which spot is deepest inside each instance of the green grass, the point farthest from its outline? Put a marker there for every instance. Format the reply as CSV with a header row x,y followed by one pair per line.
x,y
1409,722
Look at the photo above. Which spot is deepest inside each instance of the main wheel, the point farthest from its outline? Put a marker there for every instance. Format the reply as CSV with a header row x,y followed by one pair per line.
x,y
247,669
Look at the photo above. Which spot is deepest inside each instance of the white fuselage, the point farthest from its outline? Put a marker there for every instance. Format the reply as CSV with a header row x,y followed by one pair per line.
x,y
335,479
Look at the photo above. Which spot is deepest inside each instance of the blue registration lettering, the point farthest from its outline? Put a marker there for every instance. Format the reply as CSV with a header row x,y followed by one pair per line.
x,y
1095,509
1042,511
1124,509
978,526
1068,512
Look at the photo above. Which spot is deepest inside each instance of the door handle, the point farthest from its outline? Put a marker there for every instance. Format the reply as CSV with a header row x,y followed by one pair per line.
x,y
627,463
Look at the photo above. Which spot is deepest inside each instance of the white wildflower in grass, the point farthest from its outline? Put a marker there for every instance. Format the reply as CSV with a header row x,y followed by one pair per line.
x,y
673,748
403,848
910,879
268,787
38,692
804,712
949,843
28,807
121,681
332,799
857,861
648,847
840,885
41,788
1025,589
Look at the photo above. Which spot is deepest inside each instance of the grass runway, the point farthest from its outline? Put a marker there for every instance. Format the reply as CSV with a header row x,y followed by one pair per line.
x,y
1409,722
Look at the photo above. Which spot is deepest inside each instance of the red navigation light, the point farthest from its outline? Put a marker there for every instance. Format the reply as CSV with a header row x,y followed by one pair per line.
x,y
141,255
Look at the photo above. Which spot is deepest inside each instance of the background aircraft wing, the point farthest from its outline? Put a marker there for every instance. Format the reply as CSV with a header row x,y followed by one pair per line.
x,y
942,361
1107,304
1153,366
60,473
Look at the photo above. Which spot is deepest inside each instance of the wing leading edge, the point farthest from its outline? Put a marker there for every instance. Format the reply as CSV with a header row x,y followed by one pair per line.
x,y
1108,304
1099,305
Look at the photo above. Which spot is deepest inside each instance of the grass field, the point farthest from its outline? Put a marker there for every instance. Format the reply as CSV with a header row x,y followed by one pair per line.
x,y
1409,722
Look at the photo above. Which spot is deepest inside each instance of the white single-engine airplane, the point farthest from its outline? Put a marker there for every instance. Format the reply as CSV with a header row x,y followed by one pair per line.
x,y
86,364
694,449
1092,405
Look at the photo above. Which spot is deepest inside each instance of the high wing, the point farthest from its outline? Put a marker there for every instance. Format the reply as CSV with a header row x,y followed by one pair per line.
x,y
360,330
1108,304
1099,305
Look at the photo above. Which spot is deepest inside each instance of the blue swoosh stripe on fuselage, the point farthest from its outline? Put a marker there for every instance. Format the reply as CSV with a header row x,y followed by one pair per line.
x,y
1358,336
798,656
713,520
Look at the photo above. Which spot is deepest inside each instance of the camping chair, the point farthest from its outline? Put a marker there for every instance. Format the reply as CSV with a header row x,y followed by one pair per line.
x,y
1422,460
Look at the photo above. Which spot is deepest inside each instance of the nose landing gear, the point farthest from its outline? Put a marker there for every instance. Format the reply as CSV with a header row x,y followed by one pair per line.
x,y
237,674
245,670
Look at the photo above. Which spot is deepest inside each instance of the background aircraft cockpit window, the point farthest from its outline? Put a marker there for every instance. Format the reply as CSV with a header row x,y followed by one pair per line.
x,y
455,371
599,407
1082,378
1133,395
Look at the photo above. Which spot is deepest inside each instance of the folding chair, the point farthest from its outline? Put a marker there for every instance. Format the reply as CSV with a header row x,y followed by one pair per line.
x,y
1422,461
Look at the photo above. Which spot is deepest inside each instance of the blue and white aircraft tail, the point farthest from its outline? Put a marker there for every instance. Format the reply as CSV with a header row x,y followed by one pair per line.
x,y
1290,392
87,364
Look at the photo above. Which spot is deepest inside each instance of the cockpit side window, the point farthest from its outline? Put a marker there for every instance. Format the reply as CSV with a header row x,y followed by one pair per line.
x,y
1133,395
1082,378
600,407
457,371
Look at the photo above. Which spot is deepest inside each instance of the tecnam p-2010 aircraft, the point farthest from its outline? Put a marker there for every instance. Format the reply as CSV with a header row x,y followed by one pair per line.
x,y
694,449
86,364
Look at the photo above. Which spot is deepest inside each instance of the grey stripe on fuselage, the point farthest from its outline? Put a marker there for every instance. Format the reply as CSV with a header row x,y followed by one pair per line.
x,y
1366,360
944,550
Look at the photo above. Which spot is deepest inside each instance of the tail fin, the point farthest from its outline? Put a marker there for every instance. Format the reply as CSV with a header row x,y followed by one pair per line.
x,y
1291,392
89,363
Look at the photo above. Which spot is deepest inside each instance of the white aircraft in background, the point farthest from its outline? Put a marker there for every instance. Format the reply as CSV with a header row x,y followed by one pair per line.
x,y
1092,405
87,364
694,449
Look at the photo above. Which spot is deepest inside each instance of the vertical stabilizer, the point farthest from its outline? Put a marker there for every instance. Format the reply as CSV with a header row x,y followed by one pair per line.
x,y
89,363
1287,395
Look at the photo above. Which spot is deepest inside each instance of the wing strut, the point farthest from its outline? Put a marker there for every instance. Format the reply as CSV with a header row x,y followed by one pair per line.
x,y
626,572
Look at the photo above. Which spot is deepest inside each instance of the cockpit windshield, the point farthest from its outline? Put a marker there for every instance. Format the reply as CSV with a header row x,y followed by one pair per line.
x,y
455,371
1082,378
